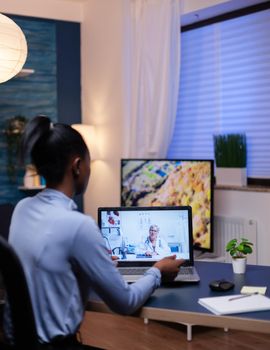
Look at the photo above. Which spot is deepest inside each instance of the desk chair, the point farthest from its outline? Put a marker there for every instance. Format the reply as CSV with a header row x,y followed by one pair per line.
x,y
6,210
25,334
15,285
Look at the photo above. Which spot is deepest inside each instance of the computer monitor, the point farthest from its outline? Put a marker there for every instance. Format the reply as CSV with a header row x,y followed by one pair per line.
x,y
173,182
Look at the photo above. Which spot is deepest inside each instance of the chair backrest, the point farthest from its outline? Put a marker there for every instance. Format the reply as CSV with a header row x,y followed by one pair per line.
x,y
24,327
6,210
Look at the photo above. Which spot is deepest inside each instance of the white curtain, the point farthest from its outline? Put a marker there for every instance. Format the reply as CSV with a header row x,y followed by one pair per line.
x,y
153,64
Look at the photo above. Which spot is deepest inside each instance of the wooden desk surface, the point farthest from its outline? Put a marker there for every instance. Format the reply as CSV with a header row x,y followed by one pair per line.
x,y
179,303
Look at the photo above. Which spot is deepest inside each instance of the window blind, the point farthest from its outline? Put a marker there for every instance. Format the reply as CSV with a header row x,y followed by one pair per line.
x,y
225,88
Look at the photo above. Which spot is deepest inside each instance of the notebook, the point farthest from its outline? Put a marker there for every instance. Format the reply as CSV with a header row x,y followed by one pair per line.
x,y
235,304
140,236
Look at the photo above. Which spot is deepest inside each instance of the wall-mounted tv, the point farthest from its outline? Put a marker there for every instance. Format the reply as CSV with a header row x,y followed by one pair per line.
x,y
170,182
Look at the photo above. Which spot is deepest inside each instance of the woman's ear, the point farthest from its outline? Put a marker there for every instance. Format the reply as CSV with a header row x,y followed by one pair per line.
x,y
76,165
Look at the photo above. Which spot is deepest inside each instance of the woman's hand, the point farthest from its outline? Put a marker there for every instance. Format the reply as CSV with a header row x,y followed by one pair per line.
x,y
169,267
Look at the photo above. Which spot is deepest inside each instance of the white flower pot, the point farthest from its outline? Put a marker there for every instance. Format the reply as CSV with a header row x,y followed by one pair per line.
x,y
239,265
231,176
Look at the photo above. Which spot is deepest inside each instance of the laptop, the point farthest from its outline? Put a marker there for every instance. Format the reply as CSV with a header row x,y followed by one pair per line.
x,y
140,236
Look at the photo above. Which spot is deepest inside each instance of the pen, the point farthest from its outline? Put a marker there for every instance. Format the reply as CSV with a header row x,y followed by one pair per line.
x,y
242,296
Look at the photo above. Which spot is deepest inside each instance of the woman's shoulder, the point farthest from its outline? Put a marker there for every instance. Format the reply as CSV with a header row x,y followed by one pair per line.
x,y
83,221
23,203
77,218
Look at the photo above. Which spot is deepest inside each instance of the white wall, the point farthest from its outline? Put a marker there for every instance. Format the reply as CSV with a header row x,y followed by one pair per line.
x,y
102,97
250,205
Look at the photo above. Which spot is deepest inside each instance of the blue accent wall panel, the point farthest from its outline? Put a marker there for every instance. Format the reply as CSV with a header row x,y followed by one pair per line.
x,y
53,89
36,93
28,96
68,72
68,45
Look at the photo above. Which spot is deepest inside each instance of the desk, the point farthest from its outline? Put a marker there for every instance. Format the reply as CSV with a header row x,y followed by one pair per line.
x,y
180,303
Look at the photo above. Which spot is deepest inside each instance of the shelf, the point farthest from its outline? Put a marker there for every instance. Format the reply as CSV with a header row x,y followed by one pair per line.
x,y
25,72
34,188
249,188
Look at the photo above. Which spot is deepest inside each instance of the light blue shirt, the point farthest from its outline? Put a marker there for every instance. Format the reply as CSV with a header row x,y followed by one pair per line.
x,y
65,259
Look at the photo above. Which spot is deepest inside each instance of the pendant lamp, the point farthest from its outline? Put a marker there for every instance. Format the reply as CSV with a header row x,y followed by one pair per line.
x,y
13,48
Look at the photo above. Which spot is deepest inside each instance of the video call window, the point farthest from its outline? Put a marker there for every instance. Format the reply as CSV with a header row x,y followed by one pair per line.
x,y
127,233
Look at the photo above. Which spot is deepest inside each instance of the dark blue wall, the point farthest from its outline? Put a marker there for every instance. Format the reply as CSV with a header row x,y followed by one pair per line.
x,y
68,45
68,72
54,89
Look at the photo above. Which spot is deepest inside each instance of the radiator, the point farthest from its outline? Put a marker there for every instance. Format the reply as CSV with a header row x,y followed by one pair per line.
x,y
227,228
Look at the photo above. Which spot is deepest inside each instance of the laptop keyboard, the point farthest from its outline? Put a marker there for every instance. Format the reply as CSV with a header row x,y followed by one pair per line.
x,y
186,270
133,271
186,273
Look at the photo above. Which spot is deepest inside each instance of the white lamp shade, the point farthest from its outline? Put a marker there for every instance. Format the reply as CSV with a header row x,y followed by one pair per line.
x,y
88,133
13,48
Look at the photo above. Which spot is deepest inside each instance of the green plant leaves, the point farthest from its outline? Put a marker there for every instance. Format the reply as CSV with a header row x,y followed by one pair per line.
x,y
230,150
13,132
239,249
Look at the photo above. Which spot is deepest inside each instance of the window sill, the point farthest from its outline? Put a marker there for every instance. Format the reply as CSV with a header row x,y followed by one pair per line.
x,y
249,188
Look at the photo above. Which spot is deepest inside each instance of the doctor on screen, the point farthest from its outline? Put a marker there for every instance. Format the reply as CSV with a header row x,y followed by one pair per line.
x,y
154,244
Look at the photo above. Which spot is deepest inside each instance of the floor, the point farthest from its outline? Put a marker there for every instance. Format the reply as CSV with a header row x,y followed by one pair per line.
x,y
121,332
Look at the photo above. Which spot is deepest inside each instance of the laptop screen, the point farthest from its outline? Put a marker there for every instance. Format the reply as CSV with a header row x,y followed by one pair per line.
x,y
147,234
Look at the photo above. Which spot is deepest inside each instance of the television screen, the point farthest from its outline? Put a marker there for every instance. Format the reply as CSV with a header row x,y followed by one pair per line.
x,y
170,182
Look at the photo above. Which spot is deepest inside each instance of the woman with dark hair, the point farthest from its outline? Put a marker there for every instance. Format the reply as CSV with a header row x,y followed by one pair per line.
x,y
62,251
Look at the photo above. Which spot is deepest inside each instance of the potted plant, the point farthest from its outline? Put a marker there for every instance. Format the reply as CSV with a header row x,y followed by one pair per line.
x,y
13,132
231,158
238,250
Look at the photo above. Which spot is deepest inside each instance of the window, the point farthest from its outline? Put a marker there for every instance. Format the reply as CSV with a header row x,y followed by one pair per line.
x,y
225,88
